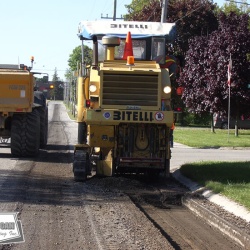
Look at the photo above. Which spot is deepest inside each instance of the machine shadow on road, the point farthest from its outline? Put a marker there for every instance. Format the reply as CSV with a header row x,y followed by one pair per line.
x,y
44,179
5,155
52,153
59,147
28,188
56,154
48,179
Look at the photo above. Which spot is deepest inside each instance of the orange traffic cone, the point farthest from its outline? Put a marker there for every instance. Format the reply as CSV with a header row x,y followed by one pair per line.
x,y
128,50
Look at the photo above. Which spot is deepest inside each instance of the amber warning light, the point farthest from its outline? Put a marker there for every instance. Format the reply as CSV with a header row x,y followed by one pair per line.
x,y
130,60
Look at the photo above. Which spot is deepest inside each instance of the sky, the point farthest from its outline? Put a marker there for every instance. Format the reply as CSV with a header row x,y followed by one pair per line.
x,y
47,30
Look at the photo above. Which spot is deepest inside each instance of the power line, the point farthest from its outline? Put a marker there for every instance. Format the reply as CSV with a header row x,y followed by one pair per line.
x,y
238,2
93,7
106,6
189,13
50,69
121,4
114,14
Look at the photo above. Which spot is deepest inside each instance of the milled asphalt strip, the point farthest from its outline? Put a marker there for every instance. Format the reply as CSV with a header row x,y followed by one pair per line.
x,y
212,219
96,235
226,228
225,203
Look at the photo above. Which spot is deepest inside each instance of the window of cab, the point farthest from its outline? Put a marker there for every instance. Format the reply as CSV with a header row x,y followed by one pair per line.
x,y
150,49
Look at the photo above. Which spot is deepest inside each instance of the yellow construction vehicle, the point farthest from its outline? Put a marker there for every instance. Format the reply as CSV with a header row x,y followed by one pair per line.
x,y
124,110
23,111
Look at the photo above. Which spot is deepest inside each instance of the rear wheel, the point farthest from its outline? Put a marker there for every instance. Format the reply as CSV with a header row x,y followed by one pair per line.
x,y
25,134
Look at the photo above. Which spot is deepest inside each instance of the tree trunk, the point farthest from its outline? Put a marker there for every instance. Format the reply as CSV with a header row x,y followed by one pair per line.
x,y
236,130
212,124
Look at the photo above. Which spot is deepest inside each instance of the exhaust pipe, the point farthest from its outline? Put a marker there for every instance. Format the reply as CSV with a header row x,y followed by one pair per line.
x,y
95,53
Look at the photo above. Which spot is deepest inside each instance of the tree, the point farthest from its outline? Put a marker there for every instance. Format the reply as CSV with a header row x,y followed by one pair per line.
x,y
135,8
75,58
237,7
58,87
55,77
205,73
43,79
192,18
193,77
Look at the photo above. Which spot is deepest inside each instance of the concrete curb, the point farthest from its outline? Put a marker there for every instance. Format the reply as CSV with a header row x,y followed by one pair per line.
x,y
235,233
222,201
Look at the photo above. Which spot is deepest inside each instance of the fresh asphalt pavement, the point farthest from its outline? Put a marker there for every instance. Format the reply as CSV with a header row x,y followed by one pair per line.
x,y
182,154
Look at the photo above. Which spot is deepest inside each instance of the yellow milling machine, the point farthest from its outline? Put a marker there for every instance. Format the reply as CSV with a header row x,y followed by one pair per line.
x,y
124,110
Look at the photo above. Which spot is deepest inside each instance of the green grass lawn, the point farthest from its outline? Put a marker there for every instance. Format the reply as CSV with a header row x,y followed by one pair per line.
x,y
72,116
203,137
231,179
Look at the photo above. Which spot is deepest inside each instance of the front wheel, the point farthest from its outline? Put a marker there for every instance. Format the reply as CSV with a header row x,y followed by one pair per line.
x,y
81,165
25,134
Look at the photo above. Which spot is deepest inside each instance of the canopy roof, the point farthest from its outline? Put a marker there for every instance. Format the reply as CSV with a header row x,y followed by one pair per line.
x,y
88,29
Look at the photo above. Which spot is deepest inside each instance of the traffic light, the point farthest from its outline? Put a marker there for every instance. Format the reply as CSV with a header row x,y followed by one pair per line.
x,y
51,86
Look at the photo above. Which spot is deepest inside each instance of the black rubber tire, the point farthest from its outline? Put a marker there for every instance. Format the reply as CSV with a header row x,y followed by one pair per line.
x,y
81,165
79,173
39,98
43,126
25,134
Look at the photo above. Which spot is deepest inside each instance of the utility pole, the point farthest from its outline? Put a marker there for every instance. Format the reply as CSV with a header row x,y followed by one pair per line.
x,y
114,14
164,11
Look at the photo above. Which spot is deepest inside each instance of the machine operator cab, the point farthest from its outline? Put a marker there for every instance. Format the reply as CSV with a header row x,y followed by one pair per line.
x,y
148,51
149,39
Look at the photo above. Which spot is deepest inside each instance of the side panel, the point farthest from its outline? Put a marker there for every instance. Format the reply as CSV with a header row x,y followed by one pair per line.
x,y
101,136
16,91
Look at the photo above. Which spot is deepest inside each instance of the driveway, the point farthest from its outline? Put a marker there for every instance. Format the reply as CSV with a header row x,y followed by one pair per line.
x,y
182,154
